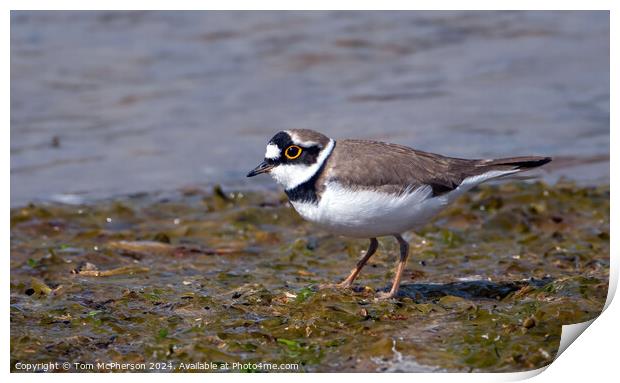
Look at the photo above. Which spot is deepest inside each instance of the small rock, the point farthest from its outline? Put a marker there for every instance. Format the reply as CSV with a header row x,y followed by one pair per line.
x,y
84,266
529,322
364,313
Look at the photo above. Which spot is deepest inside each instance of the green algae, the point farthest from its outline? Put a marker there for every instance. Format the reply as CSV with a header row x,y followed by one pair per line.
x,y
221,277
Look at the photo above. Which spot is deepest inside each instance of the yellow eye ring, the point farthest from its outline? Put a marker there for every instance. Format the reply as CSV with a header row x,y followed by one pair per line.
x,y
296,152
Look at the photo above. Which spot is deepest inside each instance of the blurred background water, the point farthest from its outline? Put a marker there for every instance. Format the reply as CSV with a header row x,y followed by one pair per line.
x,y
109,103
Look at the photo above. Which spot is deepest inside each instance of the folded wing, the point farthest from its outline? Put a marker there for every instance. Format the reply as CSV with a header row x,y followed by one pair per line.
x,y
393,168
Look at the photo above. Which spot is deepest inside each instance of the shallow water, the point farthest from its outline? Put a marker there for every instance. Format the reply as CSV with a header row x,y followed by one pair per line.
x,y
232,277
110,103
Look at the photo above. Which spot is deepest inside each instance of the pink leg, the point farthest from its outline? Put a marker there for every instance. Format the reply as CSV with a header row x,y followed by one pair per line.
x,y
404,254
372,248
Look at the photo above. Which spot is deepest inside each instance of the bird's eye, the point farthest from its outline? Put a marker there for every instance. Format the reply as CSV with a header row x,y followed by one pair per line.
x,y
292,152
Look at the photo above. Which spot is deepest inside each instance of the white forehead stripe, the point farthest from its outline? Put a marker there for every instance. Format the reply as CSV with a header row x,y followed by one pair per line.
x,y
272,152
297,141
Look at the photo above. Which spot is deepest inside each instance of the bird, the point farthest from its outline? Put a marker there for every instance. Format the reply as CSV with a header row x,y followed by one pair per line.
x,y
370,189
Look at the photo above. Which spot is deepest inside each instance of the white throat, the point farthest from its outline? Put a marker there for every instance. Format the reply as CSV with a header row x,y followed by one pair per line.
x,y
291,176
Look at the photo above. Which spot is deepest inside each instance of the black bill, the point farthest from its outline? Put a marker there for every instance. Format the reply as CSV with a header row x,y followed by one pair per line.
x,y
263,167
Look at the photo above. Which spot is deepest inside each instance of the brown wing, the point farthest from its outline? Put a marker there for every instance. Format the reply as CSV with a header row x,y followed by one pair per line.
x,y
393,168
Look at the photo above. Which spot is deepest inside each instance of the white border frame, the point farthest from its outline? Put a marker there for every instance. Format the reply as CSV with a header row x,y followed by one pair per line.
x,y
592,356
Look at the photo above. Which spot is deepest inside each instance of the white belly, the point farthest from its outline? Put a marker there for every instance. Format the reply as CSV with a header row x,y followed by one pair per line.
x,y
367,214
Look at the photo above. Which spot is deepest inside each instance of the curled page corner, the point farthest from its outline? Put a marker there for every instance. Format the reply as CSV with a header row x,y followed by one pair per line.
x,y
570,332
523,375
613,281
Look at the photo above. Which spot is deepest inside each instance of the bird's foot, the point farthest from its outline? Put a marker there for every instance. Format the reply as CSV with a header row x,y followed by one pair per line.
x,y
344,285
341,285
383,295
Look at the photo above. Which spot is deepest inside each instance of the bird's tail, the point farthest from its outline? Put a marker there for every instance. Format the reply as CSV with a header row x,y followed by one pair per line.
x,y
479,171
514,163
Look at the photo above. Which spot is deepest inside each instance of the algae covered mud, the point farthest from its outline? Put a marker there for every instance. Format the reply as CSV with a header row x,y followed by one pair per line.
x,y
206,279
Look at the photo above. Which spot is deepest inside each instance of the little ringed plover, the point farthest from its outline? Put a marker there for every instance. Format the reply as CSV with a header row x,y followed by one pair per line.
x,y
369,189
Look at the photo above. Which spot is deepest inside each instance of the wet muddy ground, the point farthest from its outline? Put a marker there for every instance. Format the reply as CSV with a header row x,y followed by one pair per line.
x,y
220,276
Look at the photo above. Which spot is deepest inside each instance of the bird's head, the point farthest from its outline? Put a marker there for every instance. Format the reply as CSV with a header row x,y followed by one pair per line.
x,y
294,156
